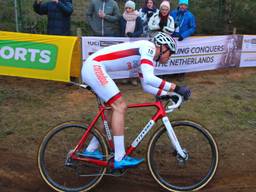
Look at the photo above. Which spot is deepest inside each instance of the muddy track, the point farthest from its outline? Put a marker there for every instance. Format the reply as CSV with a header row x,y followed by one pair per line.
x,y
19,173
18,144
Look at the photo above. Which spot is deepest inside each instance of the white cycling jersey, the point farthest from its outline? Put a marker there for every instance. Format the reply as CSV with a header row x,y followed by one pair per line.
x,y
124,56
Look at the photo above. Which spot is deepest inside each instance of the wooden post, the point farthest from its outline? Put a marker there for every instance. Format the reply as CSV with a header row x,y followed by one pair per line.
x,y
234,30
79,35
78,32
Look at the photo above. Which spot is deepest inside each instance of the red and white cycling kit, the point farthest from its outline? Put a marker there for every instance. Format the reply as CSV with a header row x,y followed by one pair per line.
x,y
124,56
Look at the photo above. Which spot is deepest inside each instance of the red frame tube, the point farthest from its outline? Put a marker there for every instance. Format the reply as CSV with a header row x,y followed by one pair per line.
x,y
158,115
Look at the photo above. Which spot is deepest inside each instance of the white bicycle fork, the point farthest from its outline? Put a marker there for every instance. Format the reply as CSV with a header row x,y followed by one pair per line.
x,y
172,137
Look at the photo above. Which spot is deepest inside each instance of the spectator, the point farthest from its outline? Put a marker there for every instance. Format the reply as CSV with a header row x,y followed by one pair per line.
x,y
58,12
130,22
131,26
103,17
162,21
146,12
185,24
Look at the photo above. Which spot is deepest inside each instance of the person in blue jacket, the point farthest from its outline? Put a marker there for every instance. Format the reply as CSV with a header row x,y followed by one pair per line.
x,y
185,23
58,12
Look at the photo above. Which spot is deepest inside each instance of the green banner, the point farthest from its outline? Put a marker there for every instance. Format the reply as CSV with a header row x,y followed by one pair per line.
x,y
30,55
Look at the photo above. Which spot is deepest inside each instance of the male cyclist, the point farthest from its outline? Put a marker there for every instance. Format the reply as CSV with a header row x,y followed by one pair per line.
x,y
123,57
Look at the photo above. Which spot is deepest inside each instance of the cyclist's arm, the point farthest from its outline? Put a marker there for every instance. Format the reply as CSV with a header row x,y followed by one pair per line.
x,y
152,90
149,79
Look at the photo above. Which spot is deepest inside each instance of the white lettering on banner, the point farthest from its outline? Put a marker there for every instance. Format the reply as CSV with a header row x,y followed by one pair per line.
x,y
6,52
22,54
33,53
45,56
193,54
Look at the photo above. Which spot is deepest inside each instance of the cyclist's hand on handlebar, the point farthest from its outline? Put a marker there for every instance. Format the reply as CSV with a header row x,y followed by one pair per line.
x,y
183,91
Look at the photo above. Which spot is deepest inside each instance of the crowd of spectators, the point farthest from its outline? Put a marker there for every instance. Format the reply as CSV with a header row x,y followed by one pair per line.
x,y
178,22
105,19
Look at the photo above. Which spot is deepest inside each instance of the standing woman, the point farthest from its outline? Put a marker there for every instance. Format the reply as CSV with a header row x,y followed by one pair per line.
x,y
146,12
130,22
162,21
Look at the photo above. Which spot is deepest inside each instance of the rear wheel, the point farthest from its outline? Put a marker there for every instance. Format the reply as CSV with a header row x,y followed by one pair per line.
x,y
175,173
56,167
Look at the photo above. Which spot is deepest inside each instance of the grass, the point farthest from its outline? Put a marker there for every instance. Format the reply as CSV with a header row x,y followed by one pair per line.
x,y
223,101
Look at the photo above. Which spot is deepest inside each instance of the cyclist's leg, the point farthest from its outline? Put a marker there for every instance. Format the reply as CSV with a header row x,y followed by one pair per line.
x,y
119,108
118,114
96,77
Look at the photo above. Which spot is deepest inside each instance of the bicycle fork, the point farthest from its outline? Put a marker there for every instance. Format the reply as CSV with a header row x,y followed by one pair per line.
x,y
172,136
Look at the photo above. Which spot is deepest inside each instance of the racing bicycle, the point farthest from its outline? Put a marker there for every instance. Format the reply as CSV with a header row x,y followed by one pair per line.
x,y
181,155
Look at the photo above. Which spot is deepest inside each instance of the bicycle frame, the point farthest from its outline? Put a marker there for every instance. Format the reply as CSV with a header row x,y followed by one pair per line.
x,y
161,113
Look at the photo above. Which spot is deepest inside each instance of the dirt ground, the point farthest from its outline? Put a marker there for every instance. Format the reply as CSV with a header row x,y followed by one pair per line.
x,y
236,171
19,173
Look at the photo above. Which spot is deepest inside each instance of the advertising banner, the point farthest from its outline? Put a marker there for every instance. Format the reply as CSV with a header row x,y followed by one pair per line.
x,y
204,53
193,54
36,56
248,57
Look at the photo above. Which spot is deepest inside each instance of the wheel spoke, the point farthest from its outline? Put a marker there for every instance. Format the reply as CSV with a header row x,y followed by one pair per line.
x,y
176,173
54,155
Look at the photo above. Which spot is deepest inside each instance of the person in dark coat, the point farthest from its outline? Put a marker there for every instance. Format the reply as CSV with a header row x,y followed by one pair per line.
x,y
58,12
131,26
130,22
146,12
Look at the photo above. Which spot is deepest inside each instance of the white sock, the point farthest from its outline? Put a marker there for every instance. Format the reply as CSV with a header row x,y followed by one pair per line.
x,y
93,145
119,147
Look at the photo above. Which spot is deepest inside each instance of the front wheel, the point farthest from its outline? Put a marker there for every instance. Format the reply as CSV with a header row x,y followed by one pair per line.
x,y
57,168
175,173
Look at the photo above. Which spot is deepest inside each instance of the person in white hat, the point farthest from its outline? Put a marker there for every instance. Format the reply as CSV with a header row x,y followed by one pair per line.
x,y
131,26
130,22
162,21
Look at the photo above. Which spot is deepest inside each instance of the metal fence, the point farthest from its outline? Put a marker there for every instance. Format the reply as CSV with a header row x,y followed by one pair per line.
x,y
215,18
